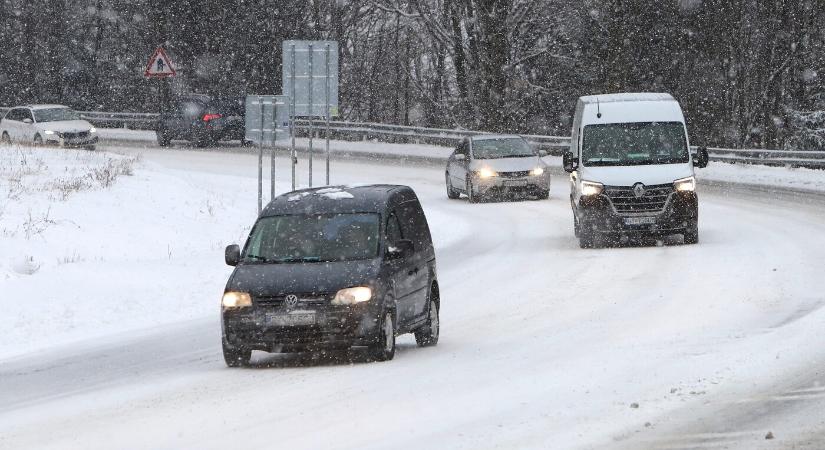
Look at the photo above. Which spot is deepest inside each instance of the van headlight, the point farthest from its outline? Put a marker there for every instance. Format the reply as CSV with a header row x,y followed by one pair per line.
x,y
685,184
353,295
484,172
232,300
49,132
591,188
538,171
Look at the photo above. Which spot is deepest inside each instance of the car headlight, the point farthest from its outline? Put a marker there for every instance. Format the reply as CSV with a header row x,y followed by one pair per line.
x,y
49,132
591,188
353,295
685,184
485,173
236,300
93,130
537,171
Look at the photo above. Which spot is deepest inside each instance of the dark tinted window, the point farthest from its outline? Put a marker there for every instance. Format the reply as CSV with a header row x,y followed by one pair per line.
x,y
393,229
14,114
414,225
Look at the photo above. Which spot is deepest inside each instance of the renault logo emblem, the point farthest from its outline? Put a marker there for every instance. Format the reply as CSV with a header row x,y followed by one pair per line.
x,y
291,300
639,190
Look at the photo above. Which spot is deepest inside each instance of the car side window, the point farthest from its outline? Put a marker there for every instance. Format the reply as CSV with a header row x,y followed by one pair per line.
x,y
414,225
26,114
15,114
394,233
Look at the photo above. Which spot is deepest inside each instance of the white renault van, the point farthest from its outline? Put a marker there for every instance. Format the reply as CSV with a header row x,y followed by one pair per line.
x,y
631,169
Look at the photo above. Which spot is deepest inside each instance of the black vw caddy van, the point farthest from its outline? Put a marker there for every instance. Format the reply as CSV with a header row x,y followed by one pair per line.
x,y
332,267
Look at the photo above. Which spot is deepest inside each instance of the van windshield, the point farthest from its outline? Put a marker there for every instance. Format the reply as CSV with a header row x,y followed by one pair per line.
x,y
633,144
313,238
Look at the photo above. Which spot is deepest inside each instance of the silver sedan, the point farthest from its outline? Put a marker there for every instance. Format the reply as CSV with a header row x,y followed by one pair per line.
x,y
496,166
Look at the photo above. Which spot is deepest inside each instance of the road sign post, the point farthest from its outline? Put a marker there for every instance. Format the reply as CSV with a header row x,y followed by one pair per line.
x,y
160,67
305,63
265,119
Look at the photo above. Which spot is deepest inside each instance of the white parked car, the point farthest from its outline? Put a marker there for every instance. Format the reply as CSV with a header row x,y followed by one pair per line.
x,y
47,125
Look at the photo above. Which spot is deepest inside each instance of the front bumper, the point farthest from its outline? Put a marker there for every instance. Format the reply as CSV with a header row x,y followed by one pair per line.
x,y
71,142
335,326
596,213
503,185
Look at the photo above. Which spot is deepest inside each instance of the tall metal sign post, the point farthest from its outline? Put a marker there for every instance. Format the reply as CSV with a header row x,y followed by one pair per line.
x,y
310,80
266,119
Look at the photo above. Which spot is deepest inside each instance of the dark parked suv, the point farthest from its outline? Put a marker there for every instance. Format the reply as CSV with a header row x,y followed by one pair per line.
x,y
332,267
202,120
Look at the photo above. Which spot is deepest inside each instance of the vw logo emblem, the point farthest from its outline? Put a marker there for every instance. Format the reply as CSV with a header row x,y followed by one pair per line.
x,y
291,300
639,190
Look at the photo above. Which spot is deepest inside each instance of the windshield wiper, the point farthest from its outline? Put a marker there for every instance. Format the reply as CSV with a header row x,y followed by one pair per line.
x,y
258,258
294,260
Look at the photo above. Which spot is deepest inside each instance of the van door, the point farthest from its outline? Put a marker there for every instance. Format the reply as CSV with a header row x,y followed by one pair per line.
x,y
414,225
399,270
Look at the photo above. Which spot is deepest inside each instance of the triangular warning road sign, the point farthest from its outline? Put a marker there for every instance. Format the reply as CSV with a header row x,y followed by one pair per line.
x,y
159,65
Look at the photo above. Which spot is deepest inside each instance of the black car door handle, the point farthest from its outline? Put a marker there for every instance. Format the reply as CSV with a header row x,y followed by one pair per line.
x,y
413,272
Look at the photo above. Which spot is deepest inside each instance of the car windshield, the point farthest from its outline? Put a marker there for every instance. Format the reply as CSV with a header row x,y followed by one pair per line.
x,y
55,115
313,238
633,144
501,148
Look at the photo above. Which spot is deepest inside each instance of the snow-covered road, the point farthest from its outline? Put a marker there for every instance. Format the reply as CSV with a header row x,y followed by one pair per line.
x,y
543,345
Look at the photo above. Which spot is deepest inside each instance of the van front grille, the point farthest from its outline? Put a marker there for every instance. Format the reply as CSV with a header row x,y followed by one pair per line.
x,y
625,201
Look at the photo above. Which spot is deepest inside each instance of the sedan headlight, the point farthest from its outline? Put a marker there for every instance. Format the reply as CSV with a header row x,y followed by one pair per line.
x,y
591,188
49,132
236,300
538,171
353,295
485,173
93,130
685,184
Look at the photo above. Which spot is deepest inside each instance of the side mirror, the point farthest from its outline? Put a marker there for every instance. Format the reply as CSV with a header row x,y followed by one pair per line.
x,y
27,121
701,159
232,255
400,249
569,162
542,153
460,157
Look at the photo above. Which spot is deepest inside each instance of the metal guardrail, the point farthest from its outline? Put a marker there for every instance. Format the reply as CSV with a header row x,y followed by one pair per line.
x,y
443,136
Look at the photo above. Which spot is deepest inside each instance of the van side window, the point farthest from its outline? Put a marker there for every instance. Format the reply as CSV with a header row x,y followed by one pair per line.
x,y
393,229
414,225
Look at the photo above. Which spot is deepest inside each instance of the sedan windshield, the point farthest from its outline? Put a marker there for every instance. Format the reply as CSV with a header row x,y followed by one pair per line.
x,y
313,238
632,144
501,148
55,115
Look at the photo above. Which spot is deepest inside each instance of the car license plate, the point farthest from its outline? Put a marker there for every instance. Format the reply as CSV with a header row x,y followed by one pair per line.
x,y
639,220
290,319
515,183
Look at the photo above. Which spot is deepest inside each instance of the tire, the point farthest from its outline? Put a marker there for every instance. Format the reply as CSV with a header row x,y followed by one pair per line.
x,y
235,357
91,148
5,139
384,348
589,239
691,235
577,229
543,195
427,336
163,139
471,196
37,141
452,194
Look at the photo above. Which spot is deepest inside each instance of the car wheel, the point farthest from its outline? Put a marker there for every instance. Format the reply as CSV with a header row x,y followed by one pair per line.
x,y
451,193
38,141
544,195
234,356
384,348
691,235
163,139
91,148
577,229
427,336
5,139
472,197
